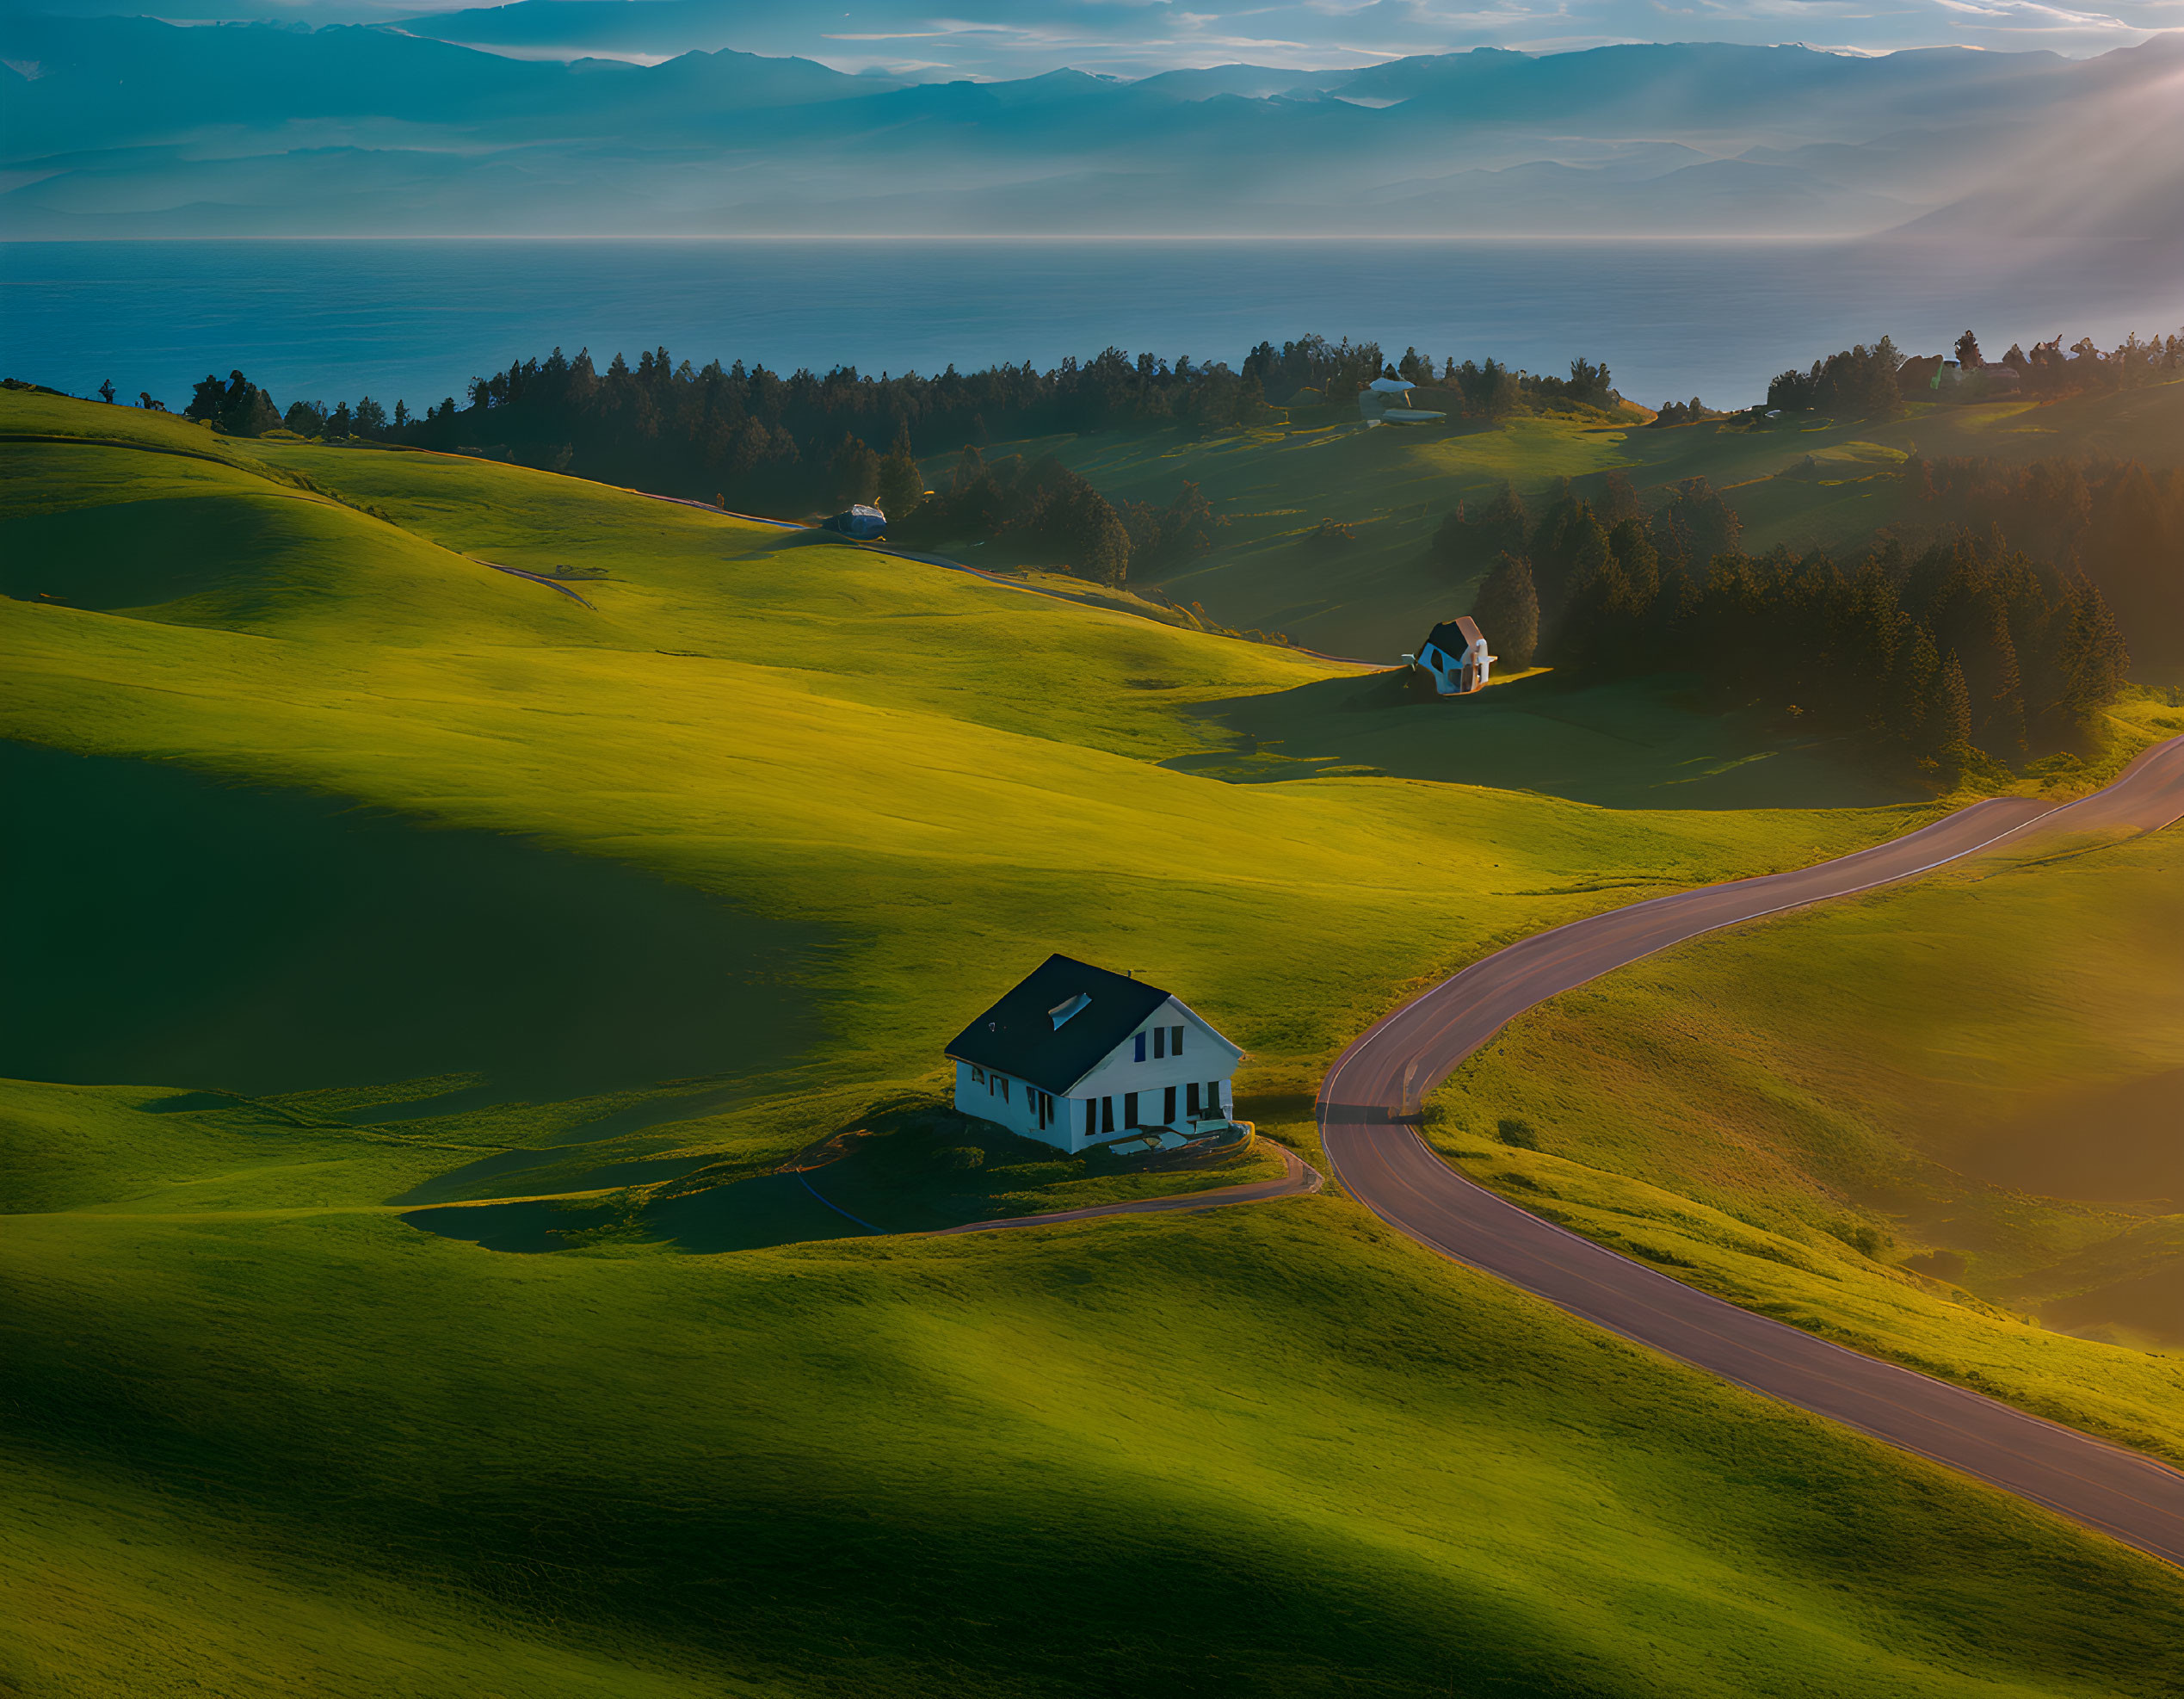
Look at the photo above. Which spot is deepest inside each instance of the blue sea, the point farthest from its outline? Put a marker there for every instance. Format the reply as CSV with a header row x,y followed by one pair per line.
x,y
415,320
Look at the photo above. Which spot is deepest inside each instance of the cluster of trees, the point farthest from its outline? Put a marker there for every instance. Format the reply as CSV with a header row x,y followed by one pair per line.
x,y
1967,648
753,438
238,407
748,433
1047,515
2118,522
1314,368
1571,537
1962,650
1684,412
1860,381
1863,382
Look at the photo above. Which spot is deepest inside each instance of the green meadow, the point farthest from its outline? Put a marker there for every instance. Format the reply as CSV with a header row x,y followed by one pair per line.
x,y
1951,1140
1376,594
432,978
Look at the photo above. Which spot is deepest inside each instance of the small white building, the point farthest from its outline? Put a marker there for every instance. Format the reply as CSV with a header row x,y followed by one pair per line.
x,y
861,521
1075,1055
1454,658
1387,401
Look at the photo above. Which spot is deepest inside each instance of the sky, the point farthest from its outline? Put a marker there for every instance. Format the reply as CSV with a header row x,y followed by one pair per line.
x,y
995,39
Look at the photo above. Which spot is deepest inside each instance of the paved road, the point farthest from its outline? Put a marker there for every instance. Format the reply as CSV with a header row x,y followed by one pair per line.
x,y
1390,1169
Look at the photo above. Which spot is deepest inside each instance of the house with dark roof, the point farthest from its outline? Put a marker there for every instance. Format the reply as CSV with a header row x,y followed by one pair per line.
x,y
1075,1055
1453,657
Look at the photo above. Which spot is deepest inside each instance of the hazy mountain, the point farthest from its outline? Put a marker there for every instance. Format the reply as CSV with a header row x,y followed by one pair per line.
x,y
131,126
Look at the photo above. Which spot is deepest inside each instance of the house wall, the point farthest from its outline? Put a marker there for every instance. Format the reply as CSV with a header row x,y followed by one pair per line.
x,y
1008,1102
1207,1058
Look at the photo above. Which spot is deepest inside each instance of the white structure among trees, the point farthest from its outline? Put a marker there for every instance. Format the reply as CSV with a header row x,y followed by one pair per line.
x,y
1075,1055
1454,658
1387,401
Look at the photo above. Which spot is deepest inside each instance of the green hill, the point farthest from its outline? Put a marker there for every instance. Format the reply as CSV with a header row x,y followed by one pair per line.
x,y
366,883
1806,481
1955,1145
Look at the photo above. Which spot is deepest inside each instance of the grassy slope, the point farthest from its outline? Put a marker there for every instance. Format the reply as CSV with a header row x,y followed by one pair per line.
x,y
252,1416
831,737
1375,597
256,1415
1980,1072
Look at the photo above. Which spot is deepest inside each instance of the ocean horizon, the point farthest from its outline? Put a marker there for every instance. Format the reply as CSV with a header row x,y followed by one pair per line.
x,y
415,320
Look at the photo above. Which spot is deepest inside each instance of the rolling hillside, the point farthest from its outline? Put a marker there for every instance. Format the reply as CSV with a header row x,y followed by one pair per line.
x,y
590,902
1955,1146
1806,481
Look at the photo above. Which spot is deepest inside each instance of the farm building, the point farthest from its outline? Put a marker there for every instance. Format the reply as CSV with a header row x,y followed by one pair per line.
x,y
1077,1056
1387,401
1454,658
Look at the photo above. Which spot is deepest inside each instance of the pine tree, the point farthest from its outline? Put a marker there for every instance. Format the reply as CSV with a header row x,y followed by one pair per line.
x,y
2092,660
1910,687
1947,729
1631,542
902,485
1506,610
855,469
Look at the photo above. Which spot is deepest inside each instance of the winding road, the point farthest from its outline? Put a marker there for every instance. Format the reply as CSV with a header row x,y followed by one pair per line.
x,y
1389,1169
1379,1156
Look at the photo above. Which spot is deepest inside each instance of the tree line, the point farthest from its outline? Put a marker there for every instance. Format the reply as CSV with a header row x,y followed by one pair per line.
x,y
1879,381
1960,653
2118,522
1048,514
753,438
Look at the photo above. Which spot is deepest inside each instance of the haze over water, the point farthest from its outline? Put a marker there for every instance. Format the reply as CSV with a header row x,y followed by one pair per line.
x,y
415,320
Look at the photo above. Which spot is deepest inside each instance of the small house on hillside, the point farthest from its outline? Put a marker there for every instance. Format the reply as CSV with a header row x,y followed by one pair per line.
x,y
1075,1055
1454,658
861,521
1387,401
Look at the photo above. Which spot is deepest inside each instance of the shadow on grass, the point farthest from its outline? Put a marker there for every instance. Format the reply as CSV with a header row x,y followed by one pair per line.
x,y
170,927
914,1168
1635,744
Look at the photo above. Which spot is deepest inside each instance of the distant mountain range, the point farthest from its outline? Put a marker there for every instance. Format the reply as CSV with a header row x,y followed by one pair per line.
x,y
130,127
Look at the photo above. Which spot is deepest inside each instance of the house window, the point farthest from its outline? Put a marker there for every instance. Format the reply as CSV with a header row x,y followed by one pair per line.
x,y
1174,1041
1190,1101
1141,1046
1160,1042
1106,1114
1212,1097
1130,1109
1168,1108
1091,1118
1005,1089
978,1076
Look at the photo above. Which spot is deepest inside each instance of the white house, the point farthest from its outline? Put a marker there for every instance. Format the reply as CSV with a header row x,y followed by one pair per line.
x,y
861,521
1454,658
1075,1055
1387,401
